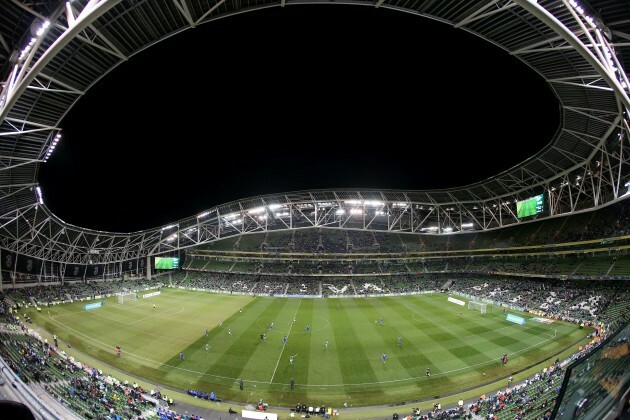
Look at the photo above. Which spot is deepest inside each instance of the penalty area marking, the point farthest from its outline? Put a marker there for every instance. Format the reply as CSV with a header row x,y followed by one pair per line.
x,y
495,315
167,312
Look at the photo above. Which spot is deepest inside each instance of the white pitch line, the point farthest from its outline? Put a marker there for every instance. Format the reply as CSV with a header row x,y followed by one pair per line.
x,y
497,329
167,312
303,385
284,345
433,322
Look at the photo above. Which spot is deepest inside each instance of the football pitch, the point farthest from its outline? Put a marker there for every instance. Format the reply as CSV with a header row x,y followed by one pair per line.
x,y
338,360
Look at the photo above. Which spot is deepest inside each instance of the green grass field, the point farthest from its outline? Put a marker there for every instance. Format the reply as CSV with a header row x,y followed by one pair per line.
x,y
457,350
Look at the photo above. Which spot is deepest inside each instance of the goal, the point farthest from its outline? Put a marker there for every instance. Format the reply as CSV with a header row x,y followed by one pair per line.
x,y
477,306
126,297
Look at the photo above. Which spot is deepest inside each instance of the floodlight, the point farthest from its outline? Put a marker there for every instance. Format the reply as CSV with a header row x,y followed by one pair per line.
x,y
39,195
373,203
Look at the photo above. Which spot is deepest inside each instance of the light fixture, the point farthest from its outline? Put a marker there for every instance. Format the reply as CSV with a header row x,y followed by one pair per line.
x,y
40,199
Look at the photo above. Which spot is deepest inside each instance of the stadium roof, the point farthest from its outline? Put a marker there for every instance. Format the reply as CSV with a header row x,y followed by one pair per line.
x,y
578,48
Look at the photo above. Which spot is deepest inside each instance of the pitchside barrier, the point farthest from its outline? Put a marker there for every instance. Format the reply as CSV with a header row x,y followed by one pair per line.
x,y
156,401
515,319
456,301
95,305
262,415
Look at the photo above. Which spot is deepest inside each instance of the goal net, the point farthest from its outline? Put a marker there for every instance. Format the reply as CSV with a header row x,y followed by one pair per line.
x,y
126,297
477,306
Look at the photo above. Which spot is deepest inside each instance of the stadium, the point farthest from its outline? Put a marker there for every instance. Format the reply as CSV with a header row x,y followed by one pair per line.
x,y
504,298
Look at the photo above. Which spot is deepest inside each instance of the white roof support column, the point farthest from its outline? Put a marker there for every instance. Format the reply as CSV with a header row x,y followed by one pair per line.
x,y
24,73
602,68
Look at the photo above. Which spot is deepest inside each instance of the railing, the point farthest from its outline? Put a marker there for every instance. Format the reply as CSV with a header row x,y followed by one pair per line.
x,y
597,385
11,384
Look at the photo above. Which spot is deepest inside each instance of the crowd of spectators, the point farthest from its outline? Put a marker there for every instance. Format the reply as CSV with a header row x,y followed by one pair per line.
x,y
533,398
80,388
601,224
75,290
89,392
577,301
307,241
337,286
224,282
361,241
333,242
578,266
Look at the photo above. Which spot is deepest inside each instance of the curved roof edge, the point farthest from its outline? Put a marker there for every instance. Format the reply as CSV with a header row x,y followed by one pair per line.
x,y
579,53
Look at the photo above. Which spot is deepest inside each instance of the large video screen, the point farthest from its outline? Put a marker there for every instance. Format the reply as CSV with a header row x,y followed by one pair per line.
x,y
530,207
162,263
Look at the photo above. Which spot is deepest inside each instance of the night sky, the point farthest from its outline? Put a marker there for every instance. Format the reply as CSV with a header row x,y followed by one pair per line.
x,y
294,98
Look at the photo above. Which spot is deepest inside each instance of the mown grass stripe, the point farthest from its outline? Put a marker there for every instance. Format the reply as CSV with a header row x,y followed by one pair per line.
x,y
432,332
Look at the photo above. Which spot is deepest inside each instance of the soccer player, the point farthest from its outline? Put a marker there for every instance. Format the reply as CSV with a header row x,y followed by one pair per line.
x,y
240,384
294,319
229,331
221,323
117,351
307,328
271,326
384,357
263,336
381,320
284,340
461,314
206,332
326,344
399,341
181,355
428,372
207,347
291,358
154,306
